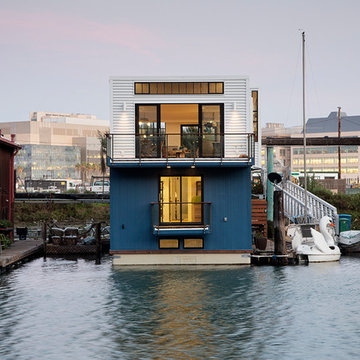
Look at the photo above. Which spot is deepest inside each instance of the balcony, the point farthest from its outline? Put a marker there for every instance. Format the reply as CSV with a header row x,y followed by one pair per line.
x,y
232,149
181,218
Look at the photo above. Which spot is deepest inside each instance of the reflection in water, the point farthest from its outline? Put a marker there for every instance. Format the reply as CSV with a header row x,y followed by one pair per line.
x,y
183,325
183,312
73,309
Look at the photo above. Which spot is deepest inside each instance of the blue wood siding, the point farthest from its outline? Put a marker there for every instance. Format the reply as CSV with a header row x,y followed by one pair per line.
x,y
228,189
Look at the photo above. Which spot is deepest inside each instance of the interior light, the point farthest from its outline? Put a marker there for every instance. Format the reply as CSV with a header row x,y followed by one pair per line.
x,y
168,166
193,166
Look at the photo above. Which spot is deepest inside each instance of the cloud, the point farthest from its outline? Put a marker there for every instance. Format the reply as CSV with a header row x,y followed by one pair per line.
x,y
52,31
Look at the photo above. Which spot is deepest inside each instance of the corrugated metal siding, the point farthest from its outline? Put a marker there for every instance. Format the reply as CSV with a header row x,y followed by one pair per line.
x,y
236,112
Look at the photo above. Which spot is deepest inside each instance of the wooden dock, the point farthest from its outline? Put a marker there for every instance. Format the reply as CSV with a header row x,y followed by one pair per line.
x,y
19,252
268,257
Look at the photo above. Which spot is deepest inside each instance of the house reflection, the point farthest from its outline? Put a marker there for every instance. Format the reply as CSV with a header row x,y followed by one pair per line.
x,y
183,325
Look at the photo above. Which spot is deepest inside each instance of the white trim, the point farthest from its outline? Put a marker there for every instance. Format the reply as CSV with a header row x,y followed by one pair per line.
x,y
184,78
181,259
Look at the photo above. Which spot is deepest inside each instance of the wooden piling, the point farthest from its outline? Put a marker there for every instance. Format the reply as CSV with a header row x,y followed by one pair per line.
x,y
44,237
98,243
279,228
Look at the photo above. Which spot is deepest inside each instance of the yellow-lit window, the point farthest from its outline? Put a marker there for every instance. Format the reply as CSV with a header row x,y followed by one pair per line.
x,y
153,88
212,88
161,88
197,89
169,243
204,88
193,243
167,88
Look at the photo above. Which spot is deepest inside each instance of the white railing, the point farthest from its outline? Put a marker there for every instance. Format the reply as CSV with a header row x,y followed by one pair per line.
x,y
294,199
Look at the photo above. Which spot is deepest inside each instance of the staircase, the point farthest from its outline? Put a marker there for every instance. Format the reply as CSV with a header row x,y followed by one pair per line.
x,y
294,199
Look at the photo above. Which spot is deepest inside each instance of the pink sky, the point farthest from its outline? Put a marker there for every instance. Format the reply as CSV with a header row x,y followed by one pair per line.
x,y
58,56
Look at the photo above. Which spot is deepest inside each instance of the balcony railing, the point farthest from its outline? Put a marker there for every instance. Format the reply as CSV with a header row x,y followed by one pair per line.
x,y
167,215
180,146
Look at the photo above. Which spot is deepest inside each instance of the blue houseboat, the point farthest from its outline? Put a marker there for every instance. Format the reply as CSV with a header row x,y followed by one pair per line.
x,y
180,152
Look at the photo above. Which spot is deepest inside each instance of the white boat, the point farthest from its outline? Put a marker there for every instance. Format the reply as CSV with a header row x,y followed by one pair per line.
x,y
349,241
313,246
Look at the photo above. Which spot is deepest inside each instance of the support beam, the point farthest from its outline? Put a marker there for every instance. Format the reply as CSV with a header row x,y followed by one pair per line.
x,y
269,185
310,141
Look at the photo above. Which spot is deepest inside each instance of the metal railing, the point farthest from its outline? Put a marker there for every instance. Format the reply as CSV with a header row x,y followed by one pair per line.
x,y
182,146
294,199
181,214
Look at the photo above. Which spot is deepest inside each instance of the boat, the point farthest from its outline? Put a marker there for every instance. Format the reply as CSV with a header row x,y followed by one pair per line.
x,y
314,246
349,241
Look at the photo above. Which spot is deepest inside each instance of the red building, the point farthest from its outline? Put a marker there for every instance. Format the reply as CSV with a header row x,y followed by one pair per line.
x,y
8,150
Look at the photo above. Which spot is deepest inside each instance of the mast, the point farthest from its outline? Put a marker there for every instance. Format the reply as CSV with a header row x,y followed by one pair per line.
x,y
339,135
304,127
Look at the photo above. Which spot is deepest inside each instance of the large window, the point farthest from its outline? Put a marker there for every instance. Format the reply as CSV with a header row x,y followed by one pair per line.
x,y
176,88
179,130
180,199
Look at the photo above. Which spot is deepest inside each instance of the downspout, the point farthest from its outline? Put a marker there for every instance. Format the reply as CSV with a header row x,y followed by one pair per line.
x,y
12,182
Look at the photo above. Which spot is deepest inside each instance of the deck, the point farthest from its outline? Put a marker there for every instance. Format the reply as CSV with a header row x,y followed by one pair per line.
x,y
19,252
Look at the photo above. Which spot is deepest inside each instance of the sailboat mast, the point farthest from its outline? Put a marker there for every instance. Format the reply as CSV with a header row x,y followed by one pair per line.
x,y
304,127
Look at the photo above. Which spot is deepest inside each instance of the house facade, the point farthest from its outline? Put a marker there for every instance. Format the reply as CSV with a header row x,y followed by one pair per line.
x,y
8,150
180,152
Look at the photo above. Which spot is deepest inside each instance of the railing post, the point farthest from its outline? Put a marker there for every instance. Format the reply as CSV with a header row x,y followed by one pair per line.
x,y
167,148
139,147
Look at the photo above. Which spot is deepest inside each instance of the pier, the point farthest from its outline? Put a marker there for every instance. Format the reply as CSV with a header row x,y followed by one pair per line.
x,y
19,252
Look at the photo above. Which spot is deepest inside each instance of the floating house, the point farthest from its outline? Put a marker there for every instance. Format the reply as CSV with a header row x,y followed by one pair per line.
x,y
180,152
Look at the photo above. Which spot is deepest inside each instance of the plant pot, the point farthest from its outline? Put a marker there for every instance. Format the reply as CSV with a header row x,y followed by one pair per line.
x,y
260,243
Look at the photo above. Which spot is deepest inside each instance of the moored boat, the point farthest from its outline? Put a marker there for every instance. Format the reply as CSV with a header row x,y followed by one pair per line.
x,y
314,246
349,241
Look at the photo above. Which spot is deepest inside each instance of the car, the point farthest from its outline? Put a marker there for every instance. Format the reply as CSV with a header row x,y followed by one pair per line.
x,y
101,187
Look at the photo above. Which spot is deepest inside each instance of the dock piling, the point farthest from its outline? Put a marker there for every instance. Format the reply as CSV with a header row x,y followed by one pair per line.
x,y
279,228
44,238
98,243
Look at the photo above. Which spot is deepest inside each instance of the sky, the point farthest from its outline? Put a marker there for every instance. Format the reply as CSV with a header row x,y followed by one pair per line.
x,y
57,56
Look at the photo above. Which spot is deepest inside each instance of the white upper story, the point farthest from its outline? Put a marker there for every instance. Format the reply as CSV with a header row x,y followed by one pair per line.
x,y
220,109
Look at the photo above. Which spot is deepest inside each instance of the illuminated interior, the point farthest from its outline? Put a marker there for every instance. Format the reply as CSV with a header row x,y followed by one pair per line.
x,y
179,130
180,199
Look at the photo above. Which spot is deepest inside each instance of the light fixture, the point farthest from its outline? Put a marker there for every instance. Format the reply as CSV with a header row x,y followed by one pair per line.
x,y
193,166
168,166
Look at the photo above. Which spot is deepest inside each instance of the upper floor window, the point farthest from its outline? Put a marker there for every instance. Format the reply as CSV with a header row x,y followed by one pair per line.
x,y
176,88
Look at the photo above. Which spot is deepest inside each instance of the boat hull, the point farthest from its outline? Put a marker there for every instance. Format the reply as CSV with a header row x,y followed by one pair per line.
x,y
349,242
323,258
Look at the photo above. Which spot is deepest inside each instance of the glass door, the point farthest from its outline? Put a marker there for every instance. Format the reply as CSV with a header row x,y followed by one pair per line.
x,y
151,132
211,120
180,200
170,199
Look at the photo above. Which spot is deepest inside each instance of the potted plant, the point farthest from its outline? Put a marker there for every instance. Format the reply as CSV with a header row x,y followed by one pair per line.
x,y
260,241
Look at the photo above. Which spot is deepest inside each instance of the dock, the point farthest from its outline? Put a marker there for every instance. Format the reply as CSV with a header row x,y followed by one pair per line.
x,y
268,256
19,252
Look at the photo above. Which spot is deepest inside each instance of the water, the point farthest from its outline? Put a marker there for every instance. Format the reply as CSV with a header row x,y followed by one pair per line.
x,y
74,309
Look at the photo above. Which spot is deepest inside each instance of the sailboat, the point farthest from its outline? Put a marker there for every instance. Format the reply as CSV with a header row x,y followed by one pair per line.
x,y
308,243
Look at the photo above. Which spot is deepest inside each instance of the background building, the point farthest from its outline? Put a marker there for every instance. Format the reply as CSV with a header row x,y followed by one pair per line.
x,y
57,145
322,161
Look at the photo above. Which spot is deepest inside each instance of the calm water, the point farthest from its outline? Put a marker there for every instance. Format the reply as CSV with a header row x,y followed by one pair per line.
x,y
74,309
